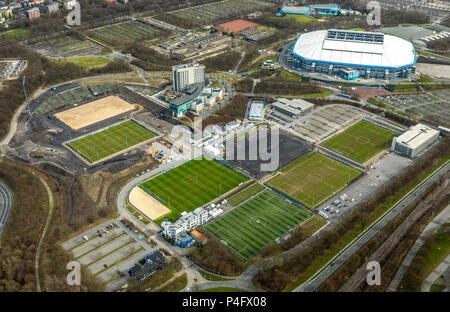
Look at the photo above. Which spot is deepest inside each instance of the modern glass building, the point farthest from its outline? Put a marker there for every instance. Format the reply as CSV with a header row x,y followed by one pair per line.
x,y
353,54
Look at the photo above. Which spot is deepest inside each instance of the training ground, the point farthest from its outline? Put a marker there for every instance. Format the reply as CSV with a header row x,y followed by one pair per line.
x,y
99,145
191,185
361,141
257,222
313,178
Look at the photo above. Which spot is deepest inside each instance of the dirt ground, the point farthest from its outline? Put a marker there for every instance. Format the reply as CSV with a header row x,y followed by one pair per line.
x,y
365,93
90,113
147,204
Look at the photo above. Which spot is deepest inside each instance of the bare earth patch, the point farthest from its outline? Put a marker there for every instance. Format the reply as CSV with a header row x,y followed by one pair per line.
x,y
90,113
146,204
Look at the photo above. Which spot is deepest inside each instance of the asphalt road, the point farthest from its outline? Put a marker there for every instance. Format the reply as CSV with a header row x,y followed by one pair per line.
x,y
5,205
356,244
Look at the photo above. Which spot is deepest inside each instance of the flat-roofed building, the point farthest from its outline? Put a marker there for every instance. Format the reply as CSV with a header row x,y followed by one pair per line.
x,y
256,111
185,75
415,140
292,107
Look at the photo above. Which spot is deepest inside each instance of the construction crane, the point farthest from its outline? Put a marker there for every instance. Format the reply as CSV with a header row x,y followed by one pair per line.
x,y
26,98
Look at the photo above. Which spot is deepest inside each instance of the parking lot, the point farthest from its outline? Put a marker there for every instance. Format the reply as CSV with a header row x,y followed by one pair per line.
x,y
109,250
364,188
430,104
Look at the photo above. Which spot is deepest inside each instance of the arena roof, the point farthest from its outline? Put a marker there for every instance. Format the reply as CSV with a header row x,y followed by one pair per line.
x,y
355,48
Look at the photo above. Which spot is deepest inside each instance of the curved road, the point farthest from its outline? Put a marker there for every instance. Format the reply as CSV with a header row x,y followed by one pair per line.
x,y
5,205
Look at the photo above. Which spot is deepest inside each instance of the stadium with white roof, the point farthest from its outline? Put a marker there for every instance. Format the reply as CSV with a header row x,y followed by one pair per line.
x,y
353,54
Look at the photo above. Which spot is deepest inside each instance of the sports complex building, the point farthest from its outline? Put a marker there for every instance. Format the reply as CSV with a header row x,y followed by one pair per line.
x,y
353,54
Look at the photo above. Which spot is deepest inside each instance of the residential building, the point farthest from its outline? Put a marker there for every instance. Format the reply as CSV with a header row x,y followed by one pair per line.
x,y
32,13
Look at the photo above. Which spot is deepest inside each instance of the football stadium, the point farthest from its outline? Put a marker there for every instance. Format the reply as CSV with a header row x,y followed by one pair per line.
x,y
353,54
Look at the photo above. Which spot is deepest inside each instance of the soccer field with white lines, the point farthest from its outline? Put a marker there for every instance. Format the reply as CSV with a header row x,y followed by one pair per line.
x,y
102,144
257,222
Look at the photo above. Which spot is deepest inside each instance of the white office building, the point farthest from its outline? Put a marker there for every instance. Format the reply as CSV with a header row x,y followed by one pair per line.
x,y
415,140
189,221
185,75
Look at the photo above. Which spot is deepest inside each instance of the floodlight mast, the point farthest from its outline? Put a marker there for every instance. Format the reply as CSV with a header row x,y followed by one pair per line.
x,y
26,98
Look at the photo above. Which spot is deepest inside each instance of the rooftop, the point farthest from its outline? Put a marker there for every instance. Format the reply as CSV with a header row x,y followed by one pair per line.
x,y
297,103
416,136
355,48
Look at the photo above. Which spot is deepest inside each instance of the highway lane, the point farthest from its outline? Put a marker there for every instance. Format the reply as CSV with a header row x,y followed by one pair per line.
x,y
5,205
363,238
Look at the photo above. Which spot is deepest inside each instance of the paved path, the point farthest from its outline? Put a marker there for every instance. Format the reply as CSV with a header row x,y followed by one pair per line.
x,y
331,266
438,271
5,205
44,233
441,218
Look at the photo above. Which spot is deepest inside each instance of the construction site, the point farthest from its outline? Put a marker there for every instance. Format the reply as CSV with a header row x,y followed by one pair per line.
x,y
75,111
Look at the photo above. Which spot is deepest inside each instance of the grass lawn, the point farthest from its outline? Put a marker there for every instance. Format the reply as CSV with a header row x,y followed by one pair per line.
x,y
299,18
258,222
99,145
288,75
323,93
86,62
15,34
211,277
223,289
191,185
243,195
177,285
313,178
361,141
437,288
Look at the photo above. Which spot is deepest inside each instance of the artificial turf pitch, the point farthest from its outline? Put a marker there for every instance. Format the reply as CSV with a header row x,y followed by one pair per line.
x,y
191,185
361,141
99,145
313,178
257,222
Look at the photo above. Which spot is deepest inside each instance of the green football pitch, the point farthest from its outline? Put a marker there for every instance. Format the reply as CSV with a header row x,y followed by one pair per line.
x,y
191,185
257,222
99,145
361,141
313,178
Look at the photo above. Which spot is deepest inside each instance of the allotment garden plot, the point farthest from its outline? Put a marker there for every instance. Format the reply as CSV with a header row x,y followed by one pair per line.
x,y
313,178
191,185
257,222
66,47
361,141
125,32
114,139
209,13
